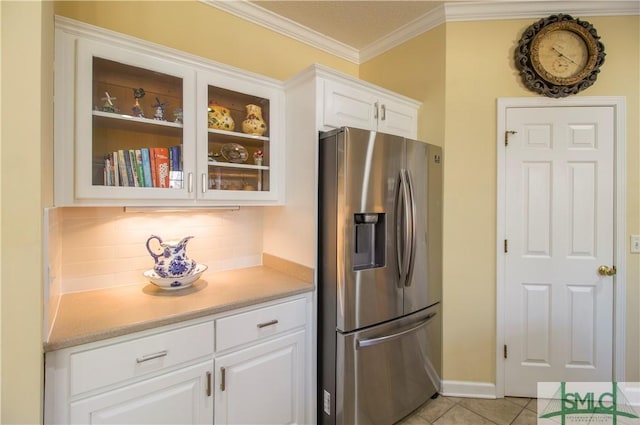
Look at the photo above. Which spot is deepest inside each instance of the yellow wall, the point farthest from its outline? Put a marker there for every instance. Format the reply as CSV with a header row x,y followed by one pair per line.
x,y
27,82
416,69
204,31
479,69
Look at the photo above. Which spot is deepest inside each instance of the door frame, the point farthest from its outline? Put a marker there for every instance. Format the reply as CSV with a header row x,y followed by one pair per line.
x,y
619,216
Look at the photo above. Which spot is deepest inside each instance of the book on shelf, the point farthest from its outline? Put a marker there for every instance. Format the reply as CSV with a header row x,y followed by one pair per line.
x,y
162,165
154,167
122,165
133,167
115,167
127,160
175,161
146,167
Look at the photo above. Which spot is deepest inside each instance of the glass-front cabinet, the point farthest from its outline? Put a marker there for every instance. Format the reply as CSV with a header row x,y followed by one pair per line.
x,y
135,125
238,137
140,126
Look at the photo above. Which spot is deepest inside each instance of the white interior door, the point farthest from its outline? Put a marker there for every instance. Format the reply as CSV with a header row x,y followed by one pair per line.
x,y
559,228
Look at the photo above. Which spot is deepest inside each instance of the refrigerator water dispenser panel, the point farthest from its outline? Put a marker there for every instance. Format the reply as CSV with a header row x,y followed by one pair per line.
x,y
369,240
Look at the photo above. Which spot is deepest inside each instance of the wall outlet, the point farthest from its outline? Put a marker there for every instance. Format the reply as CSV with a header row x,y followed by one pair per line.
x,y
327,403
635,244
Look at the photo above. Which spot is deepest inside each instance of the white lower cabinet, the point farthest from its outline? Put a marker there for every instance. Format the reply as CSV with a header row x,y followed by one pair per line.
x,y
263,384
246,366
179,397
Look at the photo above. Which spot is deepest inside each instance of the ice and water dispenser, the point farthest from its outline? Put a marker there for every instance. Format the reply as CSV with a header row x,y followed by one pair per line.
x,y
369,240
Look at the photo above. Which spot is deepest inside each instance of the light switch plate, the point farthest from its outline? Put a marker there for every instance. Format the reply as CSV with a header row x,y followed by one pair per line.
x,y
635,244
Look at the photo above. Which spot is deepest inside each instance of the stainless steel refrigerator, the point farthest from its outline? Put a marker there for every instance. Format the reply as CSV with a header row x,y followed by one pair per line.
x,y
379,276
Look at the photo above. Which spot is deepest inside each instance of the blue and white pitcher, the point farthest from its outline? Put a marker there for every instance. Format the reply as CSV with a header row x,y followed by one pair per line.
x,y
171,261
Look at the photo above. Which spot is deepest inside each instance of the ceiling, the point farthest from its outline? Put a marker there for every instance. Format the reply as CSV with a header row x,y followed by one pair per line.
x,y
354,23
359,30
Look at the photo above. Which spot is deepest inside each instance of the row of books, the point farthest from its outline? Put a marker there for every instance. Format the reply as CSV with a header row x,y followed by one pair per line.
x,y
145,167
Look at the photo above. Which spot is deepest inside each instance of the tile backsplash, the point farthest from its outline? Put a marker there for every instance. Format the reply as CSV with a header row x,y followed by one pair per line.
x,y
106,247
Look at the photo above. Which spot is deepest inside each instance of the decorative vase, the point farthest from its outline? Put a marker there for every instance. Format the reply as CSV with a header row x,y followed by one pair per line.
x,y
254,124
171,258
219,118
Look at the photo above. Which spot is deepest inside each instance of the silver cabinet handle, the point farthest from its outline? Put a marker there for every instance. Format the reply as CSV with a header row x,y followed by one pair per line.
x,y
204,182
375,110
190,182
148,357
269,323
384,112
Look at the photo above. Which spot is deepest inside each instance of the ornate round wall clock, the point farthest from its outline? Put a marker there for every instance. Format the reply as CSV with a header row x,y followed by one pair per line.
x,y
559,56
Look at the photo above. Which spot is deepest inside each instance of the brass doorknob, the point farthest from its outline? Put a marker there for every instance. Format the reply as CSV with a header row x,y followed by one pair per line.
x,y
607,271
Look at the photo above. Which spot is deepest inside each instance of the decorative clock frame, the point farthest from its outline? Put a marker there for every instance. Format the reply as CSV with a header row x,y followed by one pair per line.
x,y
540,80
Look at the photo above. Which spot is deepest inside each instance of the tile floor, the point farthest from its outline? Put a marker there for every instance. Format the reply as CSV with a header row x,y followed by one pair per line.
x,y
473,411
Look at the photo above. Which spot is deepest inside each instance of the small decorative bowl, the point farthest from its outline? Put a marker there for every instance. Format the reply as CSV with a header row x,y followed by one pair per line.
x,y
174,283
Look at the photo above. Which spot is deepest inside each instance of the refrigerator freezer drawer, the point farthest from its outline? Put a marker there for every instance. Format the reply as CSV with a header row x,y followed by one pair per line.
x,y
389,370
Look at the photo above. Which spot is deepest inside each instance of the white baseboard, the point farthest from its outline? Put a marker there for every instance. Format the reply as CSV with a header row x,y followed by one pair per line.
x,y
633,393
468,389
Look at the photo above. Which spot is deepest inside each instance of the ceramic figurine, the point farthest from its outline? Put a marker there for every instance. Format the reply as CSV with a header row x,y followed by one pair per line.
x,y
159,114
137,109
172,260
108,105
254,124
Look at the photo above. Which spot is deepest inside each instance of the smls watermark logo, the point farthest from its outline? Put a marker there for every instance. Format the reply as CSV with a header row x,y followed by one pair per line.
x,y
576,403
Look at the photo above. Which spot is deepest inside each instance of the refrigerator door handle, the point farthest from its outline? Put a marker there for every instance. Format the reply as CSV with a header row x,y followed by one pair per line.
x,y
411,228
361,343
403,228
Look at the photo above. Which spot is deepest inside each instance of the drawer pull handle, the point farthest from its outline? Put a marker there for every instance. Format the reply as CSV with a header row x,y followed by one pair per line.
x,y
269,323
152,356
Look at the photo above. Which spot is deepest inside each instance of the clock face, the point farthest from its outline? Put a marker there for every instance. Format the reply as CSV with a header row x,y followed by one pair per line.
x,y
562,53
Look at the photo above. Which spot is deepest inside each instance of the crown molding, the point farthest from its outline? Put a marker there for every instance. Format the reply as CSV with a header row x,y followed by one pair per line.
x,y
413,29
520,9
449,12
265,18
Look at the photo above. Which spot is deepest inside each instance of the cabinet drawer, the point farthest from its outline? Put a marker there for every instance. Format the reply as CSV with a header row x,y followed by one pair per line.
x,y
114,363
260,323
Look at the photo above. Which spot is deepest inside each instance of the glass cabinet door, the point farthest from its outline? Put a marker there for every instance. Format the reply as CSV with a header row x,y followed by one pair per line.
x,y
237,139
134,121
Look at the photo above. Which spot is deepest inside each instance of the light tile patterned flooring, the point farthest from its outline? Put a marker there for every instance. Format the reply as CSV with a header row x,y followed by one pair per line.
x,y
473,411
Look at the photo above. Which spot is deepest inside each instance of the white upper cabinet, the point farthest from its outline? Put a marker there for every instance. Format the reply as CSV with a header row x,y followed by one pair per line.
x,y
356,104
138,124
